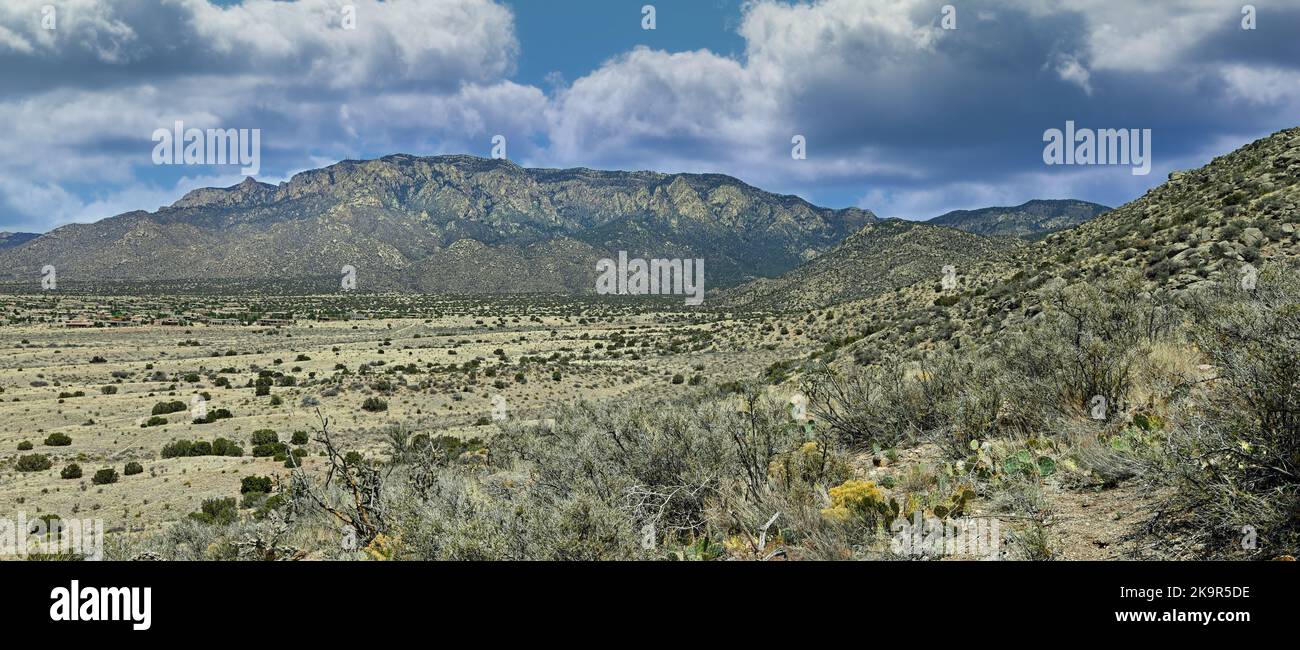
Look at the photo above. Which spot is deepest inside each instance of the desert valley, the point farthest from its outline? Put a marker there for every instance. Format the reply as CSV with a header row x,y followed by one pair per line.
x,y
205,381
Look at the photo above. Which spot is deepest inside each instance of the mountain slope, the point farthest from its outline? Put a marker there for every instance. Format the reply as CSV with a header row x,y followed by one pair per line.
x,y
447,223
1030,220
1201,226
881,257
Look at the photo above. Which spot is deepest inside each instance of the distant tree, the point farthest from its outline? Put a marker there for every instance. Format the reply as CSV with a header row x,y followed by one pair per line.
x,y
255,484
217,512
264,437
34,463
224,447
58,440
104,476
176,449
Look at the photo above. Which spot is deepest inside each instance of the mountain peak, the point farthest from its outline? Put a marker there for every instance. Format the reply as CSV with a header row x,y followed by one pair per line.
x,y
247,192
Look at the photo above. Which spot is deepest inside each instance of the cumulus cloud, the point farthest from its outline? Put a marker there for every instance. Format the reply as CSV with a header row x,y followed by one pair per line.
x,y
894,104
83,99
895,109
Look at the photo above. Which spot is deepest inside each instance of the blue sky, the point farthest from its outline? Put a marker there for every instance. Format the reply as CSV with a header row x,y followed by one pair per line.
x,y
573,37
900,115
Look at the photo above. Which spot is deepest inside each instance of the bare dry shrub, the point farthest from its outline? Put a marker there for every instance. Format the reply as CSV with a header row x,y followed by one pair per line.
x,y
1234,457
1087,342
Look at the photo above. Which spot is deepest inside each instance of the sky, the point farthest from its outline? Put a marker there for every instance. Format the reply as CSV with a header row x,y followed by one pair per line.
x,y
908,108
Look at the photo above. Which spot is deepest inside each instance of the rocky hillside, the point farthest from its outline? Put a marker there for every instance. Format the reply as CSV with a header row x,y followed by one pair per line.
x,y
448,223
881,257
1202,226
1031,220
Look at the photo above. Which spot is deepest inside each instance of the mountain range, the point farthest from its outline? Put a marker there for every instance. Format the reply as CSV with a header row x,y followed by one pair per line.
x,y
12,239
446,224
1030,220
461,224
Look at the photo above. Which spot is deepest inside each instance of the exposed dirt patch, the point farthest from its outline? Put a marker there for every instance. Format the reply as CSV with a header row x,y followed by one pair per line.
x,y
1100,524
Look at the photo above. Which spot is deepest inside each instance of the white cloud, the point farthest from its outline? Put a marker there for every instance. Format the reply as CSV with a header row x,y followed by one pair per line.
x,y
419,73
886,98
1072,71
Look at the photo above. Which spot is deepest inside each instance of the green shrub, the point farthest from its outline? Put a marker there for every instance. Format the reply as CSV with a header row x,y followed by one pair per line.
x,y
58,440
271,503
270,450
264,437
255,484
252,499
132,468
71,471
104,476
33,463
25,445
163,408
374,405
214,415
217,512
224,447
176,449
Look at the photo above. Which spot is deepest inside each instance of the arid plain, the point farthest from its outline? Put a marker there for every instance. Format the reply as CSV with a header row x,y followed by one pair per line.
x,y
450,367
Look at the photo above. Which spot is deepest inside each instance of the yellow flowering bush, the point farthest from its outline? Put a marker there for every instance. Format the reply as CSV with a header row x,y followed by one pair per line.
x,y
383,548
862,501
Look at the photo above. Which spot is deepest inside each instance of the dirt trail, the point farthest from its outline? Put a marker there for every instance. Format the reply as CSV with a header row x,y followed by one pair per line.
x,y
1092,524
